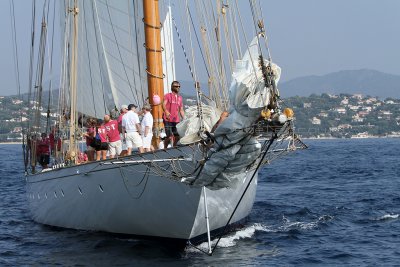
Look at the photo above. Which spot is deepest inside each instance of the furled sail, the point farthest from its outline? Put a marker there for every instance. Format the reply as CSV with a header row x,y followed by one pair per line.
x,y
234,148
168,54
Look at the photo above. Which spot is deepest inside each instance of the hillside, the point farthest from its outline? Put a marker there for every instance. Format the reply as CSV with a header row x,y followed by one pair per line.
x,y
365,81
345,115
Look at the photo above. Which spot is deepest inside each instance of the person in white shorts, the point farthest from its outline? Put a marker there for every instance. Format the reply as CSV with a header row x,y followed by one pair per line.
x,y
147,128
131,127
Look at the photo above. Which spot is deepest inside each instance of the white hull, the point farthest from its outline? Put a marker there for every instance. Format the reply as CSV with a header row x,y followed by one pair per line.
x,y
124,198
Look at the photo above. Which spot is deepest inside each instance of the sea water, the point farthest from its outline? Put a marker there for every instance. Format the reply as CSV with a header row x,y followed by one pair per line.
x,y
336,203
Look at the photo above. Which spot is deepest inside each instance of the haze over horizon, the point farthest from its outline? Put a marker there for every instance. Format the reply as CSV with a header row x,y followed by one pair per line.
x,y
308,37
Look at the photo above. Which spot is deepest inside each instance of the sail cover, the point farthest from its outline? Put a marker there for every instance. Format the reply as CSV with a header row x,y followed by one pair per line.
x,y
234,148
168,54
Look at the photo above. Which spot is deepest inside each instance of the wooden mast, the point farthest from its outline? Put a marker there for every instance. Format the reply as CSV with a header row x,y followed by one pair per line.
x,y
73,78
152,31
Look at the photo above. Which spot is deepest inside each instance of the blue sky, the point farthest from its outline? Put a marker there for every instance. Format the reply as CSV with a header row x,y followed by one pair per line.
x,y
307,37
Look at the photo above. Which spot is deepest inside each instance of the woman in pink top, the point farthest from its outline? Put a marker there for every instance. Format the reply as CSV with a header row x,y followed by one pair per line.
x,y
101,141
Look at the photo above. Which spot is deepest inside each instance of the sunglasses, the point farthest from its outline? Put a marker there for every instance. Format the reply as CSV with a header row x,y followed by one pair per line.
x,y
177,86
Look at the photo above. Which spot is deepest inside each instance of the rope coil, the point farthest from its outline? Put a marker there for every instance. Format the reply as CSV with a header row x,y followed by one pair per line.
x,y
152,26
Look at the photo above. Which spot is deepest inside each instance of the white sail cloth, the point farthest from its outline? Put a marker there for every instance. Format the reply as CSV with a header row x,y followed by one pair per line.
x,y
235,148
189,128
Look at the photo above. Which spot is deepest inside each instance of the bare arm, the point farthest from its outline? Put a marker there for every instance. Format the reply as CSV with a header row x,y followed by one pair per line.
x,y
182,112
138,128
164,107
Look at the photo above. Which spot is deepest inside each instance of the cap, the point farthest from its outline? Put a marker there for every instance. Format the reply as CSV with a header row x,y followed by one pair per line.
x,y
124,107
131,105
147,107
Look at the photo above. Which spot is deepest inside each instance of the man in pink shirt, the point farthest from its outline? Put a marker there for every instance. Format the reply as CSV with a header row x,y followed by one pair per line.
x,y
114,140
173,107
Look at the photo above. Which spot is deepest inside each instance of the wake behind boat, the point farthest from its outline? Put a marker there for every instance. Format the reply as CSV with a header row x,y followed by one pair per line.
x,y
205,183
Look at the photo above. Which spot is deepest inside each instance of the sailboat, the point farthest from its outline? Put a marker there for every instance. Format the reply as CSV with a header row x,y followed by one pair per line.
x,y
120,52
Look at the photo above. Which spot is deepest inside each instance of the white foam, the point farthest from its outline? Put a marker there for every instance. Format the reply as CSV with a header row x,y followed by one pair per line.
x,y
231,240
299,225
388,217
288,225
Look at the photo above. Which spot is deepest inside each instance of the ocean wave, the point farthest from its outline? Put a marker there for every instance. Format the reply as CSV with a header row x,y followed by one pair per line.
x,y
298,226
289,226
388,217
232,239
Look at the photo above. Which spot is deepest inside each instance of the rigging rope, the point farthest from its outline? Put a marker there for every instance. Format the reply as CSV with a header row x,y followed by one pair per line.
x,y
40,71
245,35
51,69
227,36
136,16
198,42
183,48
94,6
88,55
236,33
31,58
17,76
132,22
120,56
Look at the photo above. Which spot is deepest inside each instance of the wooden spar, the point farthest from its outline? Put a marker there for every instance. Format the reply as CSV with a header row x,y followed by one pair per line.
x,y
73,77
152,31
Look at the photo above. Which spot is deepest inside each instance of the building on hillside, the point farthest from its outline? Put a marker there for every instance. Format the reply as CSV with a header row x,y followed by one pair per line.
x,y
390,102
385,114
17,101
354,108
361,135
357,118
17,130
377,104
191,101
323,114
371,100
18,119
316,121
345,101
345,126
340,110
363,113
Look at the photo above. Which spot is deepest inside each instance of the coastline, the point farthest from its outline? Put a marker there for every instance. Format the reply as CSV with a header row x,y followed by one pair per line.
x,y
304,138
353,138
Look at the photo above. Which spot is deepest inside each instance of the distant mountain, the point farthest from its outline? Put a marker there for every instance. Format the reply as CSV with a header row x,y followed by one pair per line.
x,y
364,81
187,88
